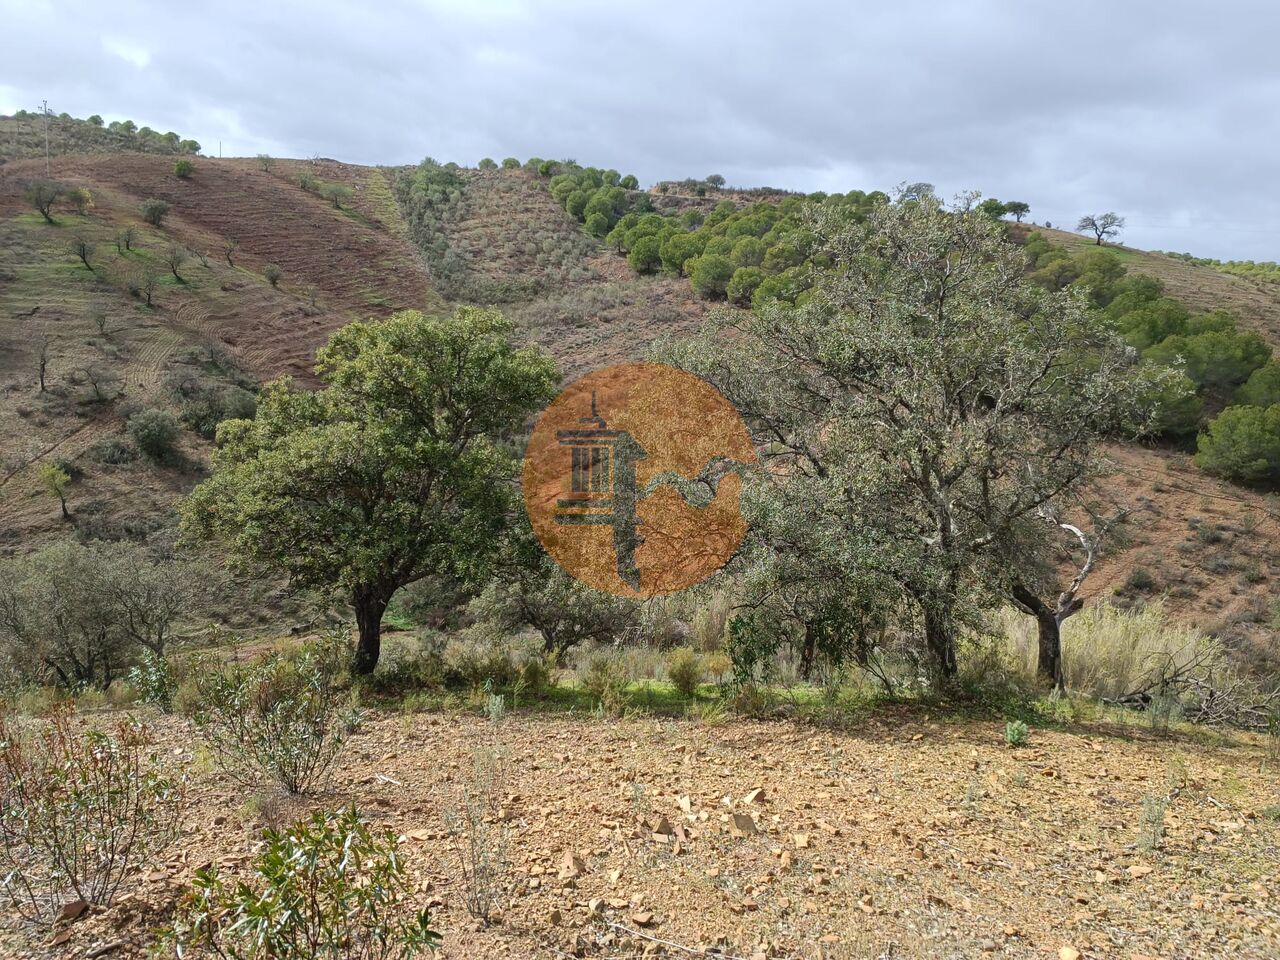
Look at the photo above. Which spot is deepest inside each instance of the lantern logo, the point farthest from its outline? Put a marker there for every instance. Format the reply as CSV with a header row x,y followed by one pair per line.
x,y
632,479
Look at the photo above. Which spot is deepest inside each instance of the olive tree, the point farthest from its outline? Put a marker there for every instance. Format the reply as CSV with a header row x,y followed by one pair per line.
x,y
43,194
55,617
79,614
923,405
154,211
1103,226
395,470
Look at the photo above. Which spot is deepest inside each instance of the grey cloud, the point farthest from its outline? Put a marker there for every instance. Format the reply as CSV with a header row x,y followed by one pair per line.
x,y
1165,112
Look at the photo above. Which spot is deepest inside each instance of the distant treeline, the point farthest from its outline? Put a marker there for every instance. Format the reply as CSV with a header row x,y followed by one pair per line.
x,y
22,136
1266,269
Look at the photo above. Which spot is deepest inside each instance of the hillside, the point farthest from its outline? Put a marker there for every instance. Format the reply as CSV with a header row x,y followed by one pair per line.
x,y
30,135
498,236
1254,300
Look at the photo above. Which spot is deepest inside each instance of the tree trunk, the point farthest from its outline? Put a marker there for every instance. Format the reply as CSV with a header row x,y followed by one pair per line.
x,y
940,638
806,653
1048,633
370,604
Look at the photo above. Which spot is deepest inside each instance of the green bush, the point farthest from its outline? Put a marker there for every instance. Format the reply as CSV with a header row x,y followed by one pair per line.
x,y
645,256
1213,359
80,809
1243,444
327,888
1262,388
153,681
154,211
285,718
205,408
605,678
709,275
685,670
155,432
183,168
744,284
273,274
1015,733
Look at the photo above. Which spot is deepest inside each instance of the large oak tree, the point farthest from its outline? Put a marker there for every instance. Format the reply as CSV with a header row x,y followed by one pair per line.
x,y
922,409
396,469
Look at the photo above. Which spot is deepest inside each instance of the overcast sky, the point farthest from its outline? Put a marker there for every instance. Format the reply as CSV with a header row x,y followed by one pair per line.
x,y
1166,112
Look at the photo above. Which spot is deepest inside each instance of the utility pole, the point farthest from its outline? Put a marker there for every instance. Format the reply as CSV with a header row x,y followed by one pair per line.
x,y
44,108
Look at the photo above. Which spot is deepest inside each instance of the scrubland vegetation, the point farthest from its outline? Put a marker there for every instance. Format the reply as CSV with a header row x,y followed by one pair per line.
x,y
932,406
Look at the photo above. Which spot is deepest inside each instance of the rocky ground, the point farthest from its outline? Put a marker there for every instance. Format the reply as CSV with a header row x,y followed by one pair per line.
x,y
905,836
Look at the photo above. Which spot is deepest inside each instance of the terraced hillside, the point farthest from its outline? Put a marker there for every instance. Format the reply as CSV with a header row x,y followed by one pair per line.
x,y
215,319
1211,548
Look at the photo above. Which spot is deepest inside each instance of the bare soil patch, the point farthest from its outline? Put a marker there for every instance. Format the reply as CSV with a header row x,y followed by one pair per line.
x,y
907,836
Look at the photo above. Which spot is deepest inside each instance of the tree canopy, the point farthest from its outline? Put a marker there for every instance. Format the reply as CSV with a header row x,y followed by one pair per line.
x,y
396,469
915,415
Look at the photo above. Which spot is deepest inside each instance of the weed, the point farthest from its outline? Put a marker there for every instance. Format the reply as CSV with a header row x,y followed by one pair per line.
x,y
280,717
1016,733
79,809
327,887
605,678
480,832
685,670
154,681
1151,830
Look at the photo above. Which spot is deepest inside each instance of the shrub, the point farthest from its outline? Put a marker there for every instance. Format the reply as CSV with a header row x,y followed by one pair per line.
x,y
154,211
273,274
1015,733
155,432
1243,444
1262,388
205,408
597,224
484,655
1152,830
154,682
478,829
743,285
1140,579
709,275
183,168
80,198
1108,652
605,678
685,670
280,717
114,451
79,809
327,887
